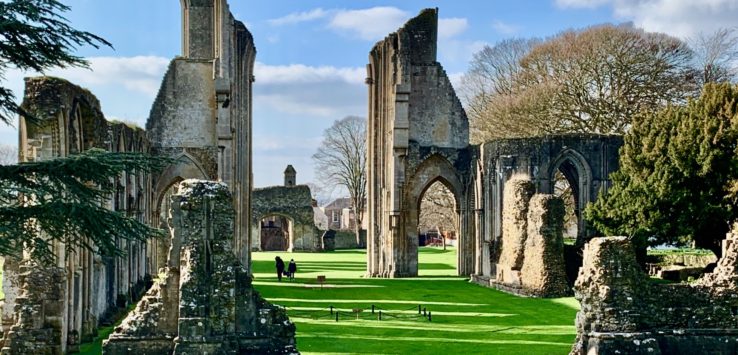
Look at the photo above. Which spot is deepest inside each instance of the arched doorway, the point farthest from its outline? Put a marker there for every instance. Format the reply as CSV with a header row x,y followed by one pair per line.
x,y
570,177
438,230
435,169
276,233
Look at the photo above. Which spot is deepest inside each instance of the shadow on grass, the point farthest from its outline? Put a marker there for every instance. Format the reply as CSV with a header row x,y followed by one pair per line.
x,y
435,266
434,250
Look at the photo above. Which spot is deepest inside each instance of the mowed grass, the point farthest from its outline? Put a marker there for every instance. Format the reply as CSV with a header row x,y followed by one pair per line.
x,y
466,318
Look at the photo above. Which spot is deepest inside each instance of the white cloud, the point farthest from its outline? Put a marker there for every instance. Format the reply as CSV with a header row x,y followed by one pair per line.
x,y
681,18
299,73
505,28
450,27
321,91
297,17
369,24
142,74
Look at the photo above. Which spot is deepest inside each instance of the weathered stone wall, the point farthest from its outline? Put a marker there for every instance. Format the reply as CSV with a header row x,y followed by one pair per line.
x,y
411,98
292,202
205,304
518,192
95,287
202,113
531,258
202,117
41,326
622,312
543,272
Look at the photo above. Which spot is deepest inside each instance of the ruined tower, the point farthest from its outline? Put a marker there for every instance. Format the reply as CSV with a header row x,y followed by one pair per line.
x,y
202,114
290,176
418,134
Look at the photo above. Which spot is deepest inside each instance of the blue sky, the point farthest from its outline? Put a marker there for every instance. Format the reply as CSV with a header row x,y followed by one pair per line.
x,y
311,54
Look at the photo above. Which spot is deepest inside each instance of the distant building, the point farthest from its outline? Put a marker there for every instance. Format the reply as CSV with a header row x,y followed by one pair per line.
x,y
341,215
290,176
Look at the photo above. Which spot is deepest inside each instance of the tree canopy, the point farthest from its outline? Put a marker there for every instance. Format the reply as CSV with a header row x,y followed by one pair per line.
x,y
678,176
64,199
592,80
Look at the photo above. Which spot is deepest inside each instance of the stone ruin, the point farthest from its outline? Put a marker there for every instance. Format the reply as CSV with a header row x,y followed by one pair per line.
x,y
531,259
291,202
622,312
418,134
202,117
204,303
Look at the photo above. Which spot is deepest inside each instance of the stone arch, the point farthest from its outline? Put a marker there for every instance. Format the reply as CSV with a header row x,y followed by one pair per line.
x,y
578,173
435,168
290,242
187,167
75,133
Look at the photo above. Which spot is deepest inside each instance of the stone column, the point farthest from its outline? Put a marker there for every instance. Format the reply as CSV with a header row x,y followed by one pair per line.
x,y
517,194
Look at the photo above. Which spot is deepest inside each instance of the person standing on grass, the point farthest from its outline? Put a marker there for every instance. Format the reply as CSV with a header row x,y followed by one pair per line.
x,y
280,267
291,269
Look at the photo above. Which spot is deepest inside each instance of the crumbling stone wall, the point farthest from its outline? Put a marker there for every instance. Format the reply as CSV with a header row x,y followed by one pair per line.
x,y
411,97
543,272
292,202
201,116
205,304
532,251
518,192
622,312
40,312
94,288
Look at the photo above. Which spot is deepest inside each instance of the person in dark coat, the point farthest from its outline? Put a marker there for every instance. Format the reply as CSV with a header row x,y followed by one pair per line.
x,y
292,268
280,267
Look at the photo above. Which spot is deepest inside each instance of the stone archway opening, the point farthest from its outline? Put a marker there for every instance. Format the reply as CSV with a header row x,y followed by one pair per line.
x,y
564,188
438,230
276,233
570,178
159,248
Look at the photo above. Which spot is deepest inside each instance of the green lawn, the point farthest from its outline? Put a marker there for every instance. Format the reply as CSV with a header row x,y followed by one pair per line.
x,y
466,318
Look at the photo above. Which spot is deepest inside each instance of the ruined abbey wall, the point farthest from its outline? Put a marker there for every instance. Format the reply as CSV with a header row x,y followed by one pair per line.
x,y
204,303
623,312
88,289
418,133
201,117
294,203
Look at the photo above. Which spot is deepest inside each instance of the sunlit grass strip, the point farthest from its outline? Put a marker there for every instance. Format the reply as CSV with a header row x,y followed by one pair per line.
x,y
456,328
415,311
438,339
286,283
376,301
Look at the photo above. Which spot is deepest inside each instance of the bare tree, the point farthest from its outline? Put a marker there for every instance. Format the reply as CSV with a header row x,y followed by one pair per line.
x,y
716,55
8,154
438,210
491,75
319,193
341,161
590,80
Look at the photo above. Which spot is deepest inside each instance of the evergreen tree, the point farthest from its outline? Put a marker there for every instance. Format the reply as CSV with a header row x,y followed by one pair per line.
x,y
678,176
65,199
61,199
